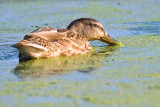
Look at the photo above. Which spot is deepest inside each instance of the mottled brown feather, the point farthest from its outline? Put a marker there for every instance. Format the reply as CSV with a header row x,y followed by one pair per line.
x,y
64,42
51,42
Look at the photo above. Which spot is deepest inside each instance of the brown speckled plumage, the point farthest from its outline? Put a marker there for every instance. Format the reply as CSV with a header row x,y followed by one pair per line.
x,y
50,42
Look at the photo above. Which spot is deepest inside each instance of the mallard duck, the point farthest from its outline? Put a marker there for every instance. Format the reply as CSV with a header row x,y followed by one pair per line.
x,y
51,42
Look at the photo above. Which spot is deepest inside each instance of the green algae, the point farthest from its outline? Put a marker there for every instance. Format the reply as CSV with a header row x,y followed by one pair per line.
x,y
103,11
107,76
131,94
62,65
132,85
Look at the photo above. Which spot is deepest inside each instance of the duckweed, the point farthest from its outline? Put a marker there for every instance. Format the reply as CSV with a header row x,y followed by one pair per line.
x,y
107,76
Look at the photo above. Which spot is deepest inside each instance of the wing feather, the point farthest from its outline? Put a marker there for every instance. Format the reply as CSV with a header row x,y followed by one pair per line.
x,y
53,42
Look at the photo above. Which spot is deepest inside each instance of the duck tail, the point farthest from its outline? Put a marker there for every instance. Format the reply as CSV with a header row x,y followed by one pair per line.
x,y
29,50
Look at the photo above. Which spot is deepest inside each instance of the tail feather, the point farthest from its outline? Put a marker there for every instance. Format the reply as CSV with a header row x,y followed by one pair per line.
x,y
30,50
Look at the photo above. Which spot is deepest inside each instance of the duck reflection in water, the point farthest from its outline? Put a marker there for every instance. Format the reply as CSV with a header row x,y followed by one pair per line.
x,y
45,67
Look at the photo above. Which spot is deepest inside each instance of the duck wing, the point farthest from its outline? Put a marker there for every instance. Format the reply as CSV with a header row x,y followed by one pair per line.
x,y
44,29
55,42
50,34
40,37
47,33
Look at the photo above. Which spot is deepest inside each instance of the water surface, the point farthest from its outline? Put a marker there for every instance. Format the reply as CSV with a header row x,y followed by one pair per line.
x,y
107,76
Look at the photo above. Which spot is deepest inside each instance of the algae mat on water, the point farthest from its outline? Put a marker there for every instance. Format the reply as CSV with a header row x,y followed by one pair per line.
x,y
107,76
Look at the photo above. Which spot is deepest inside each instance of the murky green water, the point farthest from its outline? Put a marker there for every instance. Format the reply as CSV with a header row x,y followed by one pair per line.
x,y
107,76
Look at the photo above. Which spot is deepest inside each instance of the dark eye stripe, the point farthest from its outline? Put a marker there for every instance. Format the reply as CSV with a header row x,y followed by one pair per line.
x,y
96,25
87,21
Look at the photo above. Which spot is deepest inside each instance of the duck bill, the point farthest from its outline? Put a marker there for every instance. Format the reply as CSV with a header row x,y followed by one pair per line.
x,y
109,40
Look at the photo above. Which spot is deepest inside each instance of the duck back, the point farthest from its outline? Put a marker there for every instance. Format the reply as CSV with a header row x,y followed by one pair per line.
x,y
52,42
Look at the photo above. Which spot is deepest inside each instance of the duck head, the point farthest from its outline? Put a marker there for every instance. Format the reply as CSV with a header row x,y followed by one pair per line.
x,y
92,30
